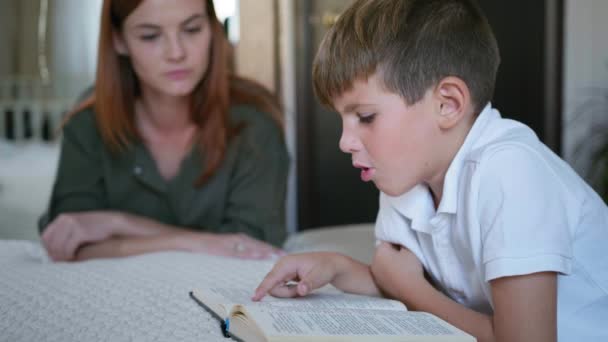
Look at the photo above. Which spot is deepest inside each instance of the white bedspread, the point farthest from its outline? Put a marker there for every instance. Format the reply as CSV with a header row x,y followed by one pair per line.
x,y
142,298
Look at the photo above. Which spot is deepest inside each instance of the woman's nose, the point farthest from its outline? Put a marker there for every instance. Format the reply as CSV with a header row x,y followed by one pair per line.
x,y
175,49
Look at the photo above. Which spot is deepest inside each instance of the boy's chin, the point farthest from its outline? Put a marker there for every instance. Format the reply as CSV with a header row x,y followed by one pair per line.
x,y
385,189
392,191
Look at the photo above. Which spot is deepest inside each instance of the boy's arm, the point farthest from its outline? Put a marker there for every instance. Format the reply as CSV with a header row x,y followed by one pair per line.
x,y
314,270
355,277
524,306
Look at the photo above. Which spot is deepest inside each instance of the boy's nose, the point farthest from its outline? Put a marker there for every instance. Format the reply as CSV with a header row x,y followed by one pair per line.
x,y
348,143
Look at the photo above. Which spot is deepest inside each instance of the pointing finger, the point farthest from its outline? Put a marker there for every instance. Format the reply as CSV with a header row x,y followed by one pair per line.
x,y
280,273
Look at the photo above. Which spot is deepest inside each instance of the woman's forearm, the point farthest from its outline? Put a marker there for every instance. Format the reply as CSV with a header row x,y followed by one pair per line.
x,y
138,235
126,225
127,246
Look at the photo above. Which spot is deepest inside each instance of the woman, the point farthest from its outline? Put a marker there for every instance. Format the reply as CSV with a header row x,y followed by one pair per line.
x,y
171,152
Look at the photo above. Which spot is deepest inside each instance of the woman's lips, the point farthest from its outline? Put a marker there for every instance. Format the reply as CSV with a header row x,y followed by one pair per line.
x,y
177,75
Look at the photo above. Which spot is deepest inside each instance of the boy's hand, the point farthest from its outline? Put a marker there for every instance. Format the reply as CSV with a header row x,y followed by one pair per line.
x,y
396,268
308,271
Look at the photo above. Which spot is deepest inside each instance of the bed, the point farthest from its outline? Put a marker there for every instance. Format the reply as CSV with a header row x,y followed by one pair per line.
x,y
140,298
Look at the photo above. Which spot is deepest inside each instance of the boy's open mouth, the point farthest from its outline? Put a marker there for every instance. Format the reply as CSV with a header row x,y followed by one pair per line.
x,y
366,172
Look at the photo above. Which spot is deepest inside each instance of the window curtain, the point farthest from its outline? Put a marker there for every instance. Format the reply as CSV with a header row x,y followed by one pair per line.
x,y
49,47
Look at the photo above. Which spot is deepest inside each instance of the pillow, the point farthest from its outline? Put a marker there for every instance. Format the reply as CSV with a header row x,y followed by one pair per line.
x,y
356,240
26,179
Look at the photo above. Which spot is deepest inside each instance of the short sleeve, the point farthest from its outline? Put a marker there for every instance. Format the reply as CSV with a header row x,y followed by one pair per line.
x,y
79,182
523,215
258,184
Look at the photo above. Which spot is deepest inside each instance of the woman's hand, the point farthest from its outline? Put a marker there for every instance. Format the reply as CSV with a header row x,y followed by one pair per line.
x,y
396,268
232,245
70,231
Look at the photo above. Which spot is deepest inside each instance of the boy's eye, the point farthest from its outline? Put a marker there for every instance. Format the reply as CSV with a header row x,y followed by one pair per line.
x,y
366,118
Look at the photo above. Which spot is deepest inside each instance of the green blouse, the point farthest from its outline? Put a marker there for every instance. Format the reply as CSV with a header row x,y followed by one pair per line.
x,y
246,194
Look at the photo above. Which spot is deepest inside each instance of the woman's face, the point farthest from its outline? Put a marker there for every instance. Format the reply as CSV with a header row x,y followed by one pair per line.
x,y
168,43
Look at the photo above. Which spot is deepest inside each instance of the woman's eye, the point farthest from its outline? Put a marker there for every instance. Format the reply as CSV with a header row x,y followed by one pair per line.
x,y
148,37
196,29
366,118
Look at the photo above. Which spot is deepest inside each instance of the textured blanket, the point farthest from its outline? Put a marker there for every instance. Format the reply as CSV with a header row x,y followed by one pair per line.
x,y
142,298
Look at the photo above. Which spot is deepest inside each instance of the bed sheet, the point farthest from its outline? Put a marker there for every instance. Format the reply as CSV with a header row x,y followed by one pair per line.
x,y
141,298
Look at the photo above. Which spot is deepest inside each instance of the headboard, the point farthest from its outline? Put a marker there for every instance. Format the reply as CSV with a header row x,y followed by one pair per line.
x,y
27,113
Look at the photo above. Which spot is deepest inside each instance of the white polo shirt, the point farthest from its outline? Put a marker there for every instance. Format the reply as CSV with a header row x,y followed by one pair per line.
x,y
510,207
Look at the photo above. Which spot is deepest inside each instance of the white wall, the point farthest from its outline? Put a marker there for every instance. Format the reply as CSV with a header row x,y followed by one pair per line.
x,y
225,8
255,54
585,71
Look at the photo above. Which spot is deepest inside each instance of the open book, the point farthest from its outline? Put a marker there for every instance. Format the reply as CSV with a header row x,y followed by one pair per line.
x,y
325,315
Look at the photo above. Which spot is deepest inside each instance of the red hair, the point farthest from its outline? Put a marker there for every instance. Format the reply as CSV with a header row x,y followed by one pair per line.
x,y
116,88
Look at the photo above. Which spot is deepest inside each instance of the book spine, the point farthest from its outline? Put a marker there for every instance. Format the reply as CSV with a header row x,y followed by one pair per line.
x,y
225,325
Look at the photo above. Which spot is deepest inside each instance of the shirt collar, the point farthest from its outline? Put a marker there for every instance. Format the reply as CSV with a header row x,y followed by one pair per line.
x,y
144,168
449,198
416,205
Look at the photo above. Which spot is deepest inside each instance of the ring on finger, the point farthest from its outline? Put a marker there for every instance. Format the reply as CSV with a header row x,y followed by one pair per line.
x,y
239,247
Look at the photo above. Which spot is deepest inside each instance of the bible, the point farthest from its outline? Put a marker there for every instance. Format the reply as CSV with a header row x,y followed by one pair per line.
x,y
324,315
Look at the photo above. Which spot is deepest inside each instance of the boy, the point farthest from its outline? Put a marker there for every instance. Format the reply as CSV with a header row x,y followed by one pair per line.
x,y
511,238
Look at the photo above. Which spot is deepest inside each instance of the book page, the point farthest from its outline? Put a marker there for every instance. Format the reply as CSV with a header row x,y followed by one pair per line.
x,y
304,321
325,298
247,274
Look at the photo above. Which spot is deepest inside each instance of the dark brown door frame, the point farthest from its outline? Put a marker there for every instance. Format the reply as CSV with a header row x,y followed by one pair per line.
x,y
554,62
304,98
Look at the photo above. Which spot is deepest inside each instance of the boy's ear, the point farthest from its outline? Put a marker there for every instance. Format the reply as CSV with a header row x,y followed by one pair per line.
x,y
119,44
453,98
